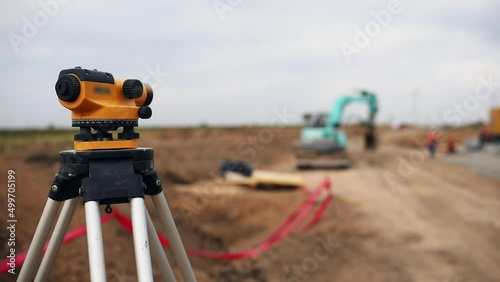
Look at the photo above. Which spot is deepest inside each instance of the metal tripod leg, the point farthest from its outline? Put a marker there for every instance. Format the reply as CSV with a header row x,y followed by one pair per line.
x,y
141,242
158,252
95,242
41,234
170,230
56,240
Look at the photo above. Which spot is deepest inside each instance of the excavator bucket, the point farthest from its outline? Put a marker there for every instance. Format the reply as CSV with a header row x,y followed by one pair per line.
x,y
371,141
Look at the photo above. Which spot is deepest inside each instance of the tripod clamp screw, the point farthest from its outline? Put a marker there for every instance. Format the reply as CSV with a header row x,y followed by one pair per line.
x,y
54,188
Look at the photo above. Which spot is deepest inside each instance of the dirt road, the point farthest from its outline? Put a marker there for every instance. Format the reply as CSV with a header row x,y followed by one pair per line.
x,y
395,217
437,222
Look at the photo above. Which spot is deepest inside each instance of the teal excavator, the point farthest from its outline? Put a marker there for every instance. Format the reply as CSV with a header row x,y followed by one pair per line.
x,y
323,144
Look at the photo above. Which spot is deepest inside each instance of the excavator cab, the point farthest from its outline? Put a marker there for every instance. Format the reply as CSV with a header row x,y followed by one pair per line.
x,y
315,120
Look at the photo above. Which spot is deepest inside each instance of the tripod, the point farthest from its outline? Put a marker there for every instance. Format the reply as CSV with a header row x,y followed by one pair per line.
x,y
106,177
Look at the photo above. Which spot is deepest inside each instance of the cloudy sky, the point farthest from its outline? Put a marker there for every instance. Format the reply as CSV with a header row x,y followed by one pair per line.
x,y
241,61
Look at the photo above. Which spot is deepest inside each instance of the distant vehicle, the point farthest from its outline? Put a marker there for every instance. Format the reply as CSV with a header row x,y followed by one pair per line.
x,y
324,144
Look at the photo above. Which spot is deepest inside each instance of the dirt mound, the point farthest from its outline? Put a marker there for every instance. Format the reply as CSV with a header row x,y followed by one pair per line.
x,y
171,177
42,157
3,240
241,221
194,155
42,154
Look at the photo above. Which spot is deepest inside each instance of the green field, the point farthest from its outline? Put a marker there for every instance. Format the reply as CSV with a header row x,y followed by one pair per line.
x,y
20,139
15,140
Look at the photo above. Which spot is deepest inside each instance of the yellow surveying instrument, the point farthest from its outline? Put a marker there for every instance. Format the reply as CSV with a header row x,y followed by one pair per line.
x,y
100,102
105,170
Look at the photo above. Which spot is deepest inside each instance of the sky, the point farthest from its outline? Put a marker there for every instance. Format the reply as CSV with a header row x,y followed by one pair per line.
x,y
220,62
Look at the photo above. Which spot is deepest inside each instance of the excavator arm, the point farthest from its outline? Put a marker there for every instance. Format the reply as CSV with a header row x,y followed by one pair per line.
x,y
335,118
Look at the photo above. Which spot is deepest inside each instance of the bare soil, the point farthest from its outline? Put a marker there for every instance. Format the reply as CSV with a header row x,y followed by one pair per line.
x,y
397,215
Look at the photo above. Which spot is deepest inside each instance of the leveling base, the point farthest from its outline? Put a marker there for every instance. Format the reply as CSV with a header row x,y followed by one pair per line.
x,y
106,177
104,145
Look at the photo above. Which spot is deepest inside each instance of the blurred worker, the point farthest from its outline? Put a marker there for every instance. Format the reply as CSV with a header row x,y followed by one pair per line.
x,y
432,138
484,134
450,148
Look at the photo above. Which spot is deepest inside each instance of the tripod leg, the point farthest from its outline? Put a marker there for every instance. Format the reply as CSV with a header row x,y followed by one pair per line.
x,y
39,239
158,253
141,242
56,240
95,242
178,250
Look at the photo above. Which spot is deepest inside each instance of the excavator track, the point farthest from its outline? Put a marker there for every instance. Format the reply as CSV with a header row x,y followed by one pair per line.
x,y
335,159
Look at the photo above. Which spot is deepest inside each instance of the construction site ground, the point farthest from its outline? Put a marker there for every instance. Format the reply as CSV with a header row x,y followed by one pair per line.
x,y
397,215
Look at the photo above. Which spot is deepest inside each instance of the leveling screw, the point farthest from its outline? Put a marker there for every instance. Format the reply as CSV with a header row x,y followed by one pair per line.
x,y
54,188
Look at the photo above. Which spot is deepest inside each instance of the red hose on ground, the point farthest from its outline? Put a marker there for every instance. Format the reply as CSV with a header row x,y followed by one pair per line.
x,y
290,224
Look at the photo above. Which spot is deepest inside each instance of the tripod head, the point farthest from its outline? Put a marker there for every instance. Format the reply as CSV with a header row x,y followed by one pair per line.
x,y
101,104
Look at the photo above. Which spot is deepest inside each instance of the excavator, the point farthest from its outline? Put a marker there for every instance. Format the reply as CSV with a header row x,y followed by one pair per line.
x,y
322,142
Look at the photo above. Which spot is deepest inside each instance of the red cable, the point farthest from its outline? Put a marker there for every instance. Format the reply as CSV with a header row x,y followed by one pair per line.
x,y
284,230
